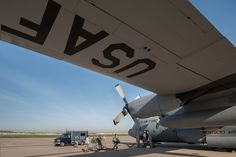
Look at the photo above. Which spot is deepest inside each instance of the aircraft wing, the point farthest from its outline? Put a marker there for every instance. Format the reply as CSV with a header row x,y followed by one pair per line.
x,y
164,46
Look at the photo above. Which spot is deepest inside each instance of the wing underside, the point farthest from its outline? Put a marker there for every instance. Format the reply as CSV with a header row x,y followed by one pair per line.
x,y
166,47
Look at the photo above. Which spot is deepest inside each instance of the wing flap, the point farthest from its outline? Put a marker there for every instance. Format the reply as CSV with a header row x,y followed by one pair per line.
x,y
174,25
192,14
214,61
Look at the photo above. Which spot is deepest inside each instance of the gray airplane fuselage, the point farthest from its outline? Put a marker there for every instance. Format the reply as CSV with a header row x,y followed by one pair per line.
x,y
160,133
207,119
224,137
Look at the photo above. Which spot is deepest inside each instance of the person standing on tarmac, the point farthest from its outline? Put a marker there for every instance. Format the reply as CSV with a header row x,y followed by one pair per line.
x,y
138,140
86,144
99,143
115,141
149,139
145,138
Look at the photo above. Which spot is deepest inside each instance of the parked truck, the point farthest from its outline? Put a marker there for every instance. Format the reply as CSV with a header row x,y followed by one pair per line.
x,y
71,138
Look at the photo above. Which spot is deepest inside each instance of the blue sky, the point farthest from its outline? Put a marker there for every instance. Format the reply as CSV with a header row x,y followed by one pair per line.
x,y
39,93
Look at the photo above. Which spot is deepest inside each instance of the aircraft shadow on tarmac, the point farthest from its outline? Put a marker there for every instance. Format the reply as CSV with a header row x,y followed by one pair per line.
x,y
165,149
133,152
158,149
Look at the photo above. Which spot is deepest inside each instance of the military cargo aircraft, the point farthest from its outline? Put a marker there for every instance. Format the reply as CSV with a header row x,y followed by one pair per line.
x,y
221,136
166,46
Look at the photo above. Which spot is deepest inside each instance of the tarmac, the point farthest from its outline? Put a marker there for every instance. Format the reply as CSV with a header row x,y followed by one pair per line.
x,y
43,147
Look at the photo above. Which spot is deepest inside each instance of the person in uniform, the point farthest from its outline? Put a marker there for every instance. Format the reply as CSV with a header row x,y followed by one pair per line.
x,y
86,144
138,140
99,143
149,139
115,141
145,138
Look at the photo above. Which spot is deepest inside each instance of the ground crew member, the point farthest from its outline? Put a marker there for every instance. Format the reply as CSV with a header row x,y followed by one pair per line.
x,y
94,143
138,140
145,138
115,141
149,139
86,144
99,143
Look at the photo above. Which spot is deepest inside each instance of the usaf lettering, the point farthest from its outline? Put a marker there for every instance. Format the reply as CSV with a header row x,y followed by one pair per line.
x,y
42,30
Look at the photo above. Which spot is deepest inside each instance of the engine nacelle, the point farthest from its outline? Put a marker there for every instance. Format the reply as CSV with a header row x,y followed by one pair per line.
x,y
198,119
153,105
